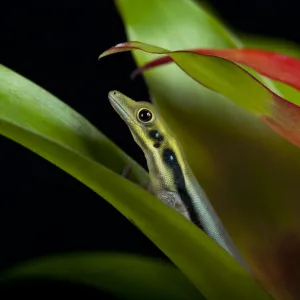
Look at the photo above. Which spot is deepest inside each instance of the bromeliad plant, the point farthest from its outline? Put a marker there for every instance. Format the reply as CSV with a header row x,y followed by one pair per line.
x,y
240,133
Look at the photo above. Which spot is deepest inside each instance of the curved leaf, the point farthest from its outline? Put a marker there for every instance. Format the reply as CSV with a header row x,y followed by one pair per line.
x,y
26,104
210,268
122,275
271,64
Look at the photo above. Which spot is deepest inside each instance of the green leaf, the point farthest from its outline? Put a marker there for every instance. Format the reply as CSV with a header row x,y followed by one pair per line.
x,y
250,174
211,269
27,105
122,275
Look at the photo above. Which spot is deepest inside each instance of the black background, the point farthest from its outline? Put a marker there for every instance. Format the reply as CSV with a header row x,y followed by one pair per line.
x,y
42,209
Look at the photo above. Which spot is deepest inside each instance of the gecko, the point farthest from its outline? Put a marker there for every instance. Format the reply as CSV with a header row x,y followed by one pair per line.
x,y
171,179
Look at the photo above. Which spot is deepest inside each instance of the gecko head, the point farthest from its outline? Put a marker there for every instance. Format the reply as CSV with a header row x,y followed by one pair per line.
x,y
147,128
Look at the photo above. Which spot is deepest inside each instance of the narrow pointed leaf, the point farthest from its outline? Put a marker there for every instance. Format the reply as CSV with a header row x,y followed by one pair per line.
x,y
270,64
196,255
122,275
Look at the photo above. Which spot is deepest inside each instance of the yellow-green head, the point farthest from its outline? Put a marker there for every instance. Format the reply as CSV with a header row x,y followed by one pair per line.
x,y
148,129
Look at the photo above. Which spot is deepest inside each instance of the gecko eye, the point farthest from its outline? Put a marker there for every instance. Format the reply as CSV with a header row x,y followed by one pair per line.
x,y
145,115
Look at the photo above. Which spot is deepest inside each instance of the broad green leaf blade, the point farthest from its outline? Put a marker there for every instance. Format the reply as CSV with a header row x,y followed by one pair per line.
x,y
211,269
229,79
122,275
28,105
248,171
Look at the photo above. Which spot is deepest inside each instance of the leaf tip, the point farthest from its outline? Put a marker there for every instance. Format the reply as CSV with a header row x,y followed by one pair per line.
x,y
115,49
103,54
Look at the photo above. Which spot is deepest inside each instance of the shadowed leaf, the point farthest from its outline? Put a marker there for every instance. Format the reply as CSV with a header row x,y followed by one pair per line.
x,y
123,275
